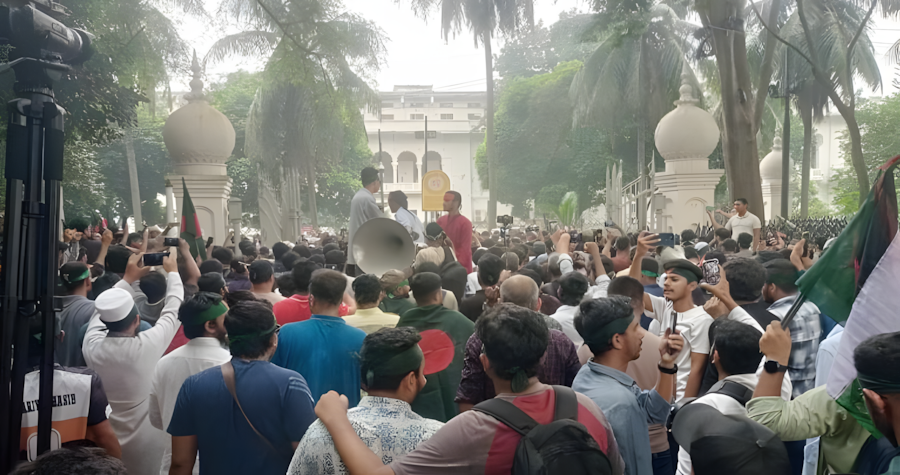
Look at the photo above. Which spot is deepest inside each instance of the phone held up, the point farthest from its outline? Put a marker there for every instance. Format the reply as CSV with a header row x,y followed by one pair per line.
x,y
170,242
666,240
711,272
154,259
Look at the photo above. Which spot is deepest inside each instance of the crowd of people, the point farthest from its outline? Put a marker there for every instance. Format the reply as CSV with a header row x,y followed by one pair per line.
x,y
537,352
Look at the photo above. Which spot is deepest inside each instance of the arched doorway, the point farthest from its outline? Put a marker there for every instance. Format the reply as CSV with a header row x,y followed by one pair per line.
x,y
432,161
406,168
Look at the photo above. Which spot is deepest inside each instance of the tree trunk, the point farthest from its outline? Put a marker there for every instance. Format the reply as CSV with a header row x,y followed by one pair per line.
x,y
739,136
766,67
489,125
806,117
153,102
311,192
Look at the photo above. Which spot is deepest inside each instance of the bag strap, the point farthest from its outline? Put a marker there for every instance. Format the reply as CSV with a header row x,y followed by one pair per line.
x,y
228,376
566,404
736,391
507,413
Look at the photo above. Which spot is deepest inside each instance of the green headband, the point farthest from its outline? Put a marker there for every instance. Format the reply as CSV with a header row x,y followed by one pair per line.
x,y
649,273
690,276
238,338
211,313
401,363
615,327
78,278
401,284
877,385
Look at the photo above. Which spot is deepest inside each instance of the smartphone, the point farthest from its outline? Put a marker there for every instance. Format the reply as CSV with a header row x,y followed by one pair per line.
x,y
576,237
209,241
711,271
170,242
609,223
154,259
666,240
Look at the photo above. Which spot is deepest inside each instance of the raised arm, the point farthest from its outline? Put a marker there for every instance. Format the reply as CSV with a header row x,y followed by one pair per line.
x,y
160,336
191,270
594,250
105,241
645,243
712,219
357,457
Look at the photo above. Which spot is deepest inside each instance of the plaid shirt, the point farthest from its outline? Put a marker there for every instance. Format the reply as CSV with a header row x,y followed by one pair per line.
x,y
558,366
806,330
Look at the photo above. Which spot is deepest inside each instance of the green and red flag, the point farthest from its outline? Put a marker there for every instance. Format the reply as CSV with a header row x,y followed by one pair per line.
x,y
854,282
190,226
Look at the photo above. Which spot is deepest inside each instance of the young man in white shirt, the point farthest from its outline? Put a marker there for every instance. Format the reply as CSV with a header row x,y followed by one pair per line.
x,y
682,277
743,221
398,203
203,317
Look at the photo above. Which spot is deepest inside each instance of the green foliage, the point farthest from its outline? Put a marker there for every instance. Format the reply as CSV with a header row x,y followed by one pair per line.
x,y
539,51
540,156
568,211
234,97
878,119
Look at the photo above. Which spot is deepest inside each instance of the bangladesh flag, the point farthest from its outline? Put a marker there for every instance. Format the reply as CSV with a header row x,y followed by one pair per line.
x,y
190,226
855,282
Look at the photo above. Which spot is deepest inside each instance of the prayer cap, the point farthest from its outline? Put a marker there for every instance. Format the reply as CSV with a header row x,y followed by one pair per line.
x,y
392,279
114,305
433,230
650,267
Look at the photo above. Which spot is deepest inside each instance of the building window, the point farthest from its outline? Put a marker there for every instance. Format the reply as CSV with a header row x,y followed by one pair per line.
x,y
447,105
814,153
387,105
474,116
479,215
417,104
417,117
446,116
474,105
387,116
420,134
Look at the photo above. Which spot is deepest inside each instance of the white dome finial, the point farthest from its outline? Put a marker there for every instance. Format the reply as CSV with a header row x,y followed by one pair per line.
x,y
688,132
196,83
770,166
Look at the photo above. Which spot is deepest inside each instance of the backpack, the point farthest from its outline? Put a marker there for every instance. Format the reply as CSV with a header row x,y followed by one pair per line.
x,y
563,446
736,391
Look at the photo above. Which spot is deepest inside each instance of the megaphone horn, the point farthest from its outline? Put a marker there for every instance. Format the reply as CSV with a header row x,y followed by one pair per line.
x,y
382,244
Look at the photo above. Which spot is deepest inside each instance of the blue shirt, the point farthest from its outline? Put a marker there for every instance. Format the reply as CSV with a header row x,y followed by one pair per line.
x,y
628,409
277,402
654,289
325,350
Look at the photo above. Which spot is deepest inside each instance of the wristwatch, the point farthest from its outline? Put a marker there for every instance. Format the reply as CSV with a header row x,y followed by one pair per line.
x,y
773,367
672,370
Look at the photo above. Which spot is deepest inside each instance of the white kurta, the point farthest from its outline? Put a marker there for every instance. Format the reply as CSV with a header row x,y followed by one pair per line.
x,y
362,208
412,224
125,365
172,370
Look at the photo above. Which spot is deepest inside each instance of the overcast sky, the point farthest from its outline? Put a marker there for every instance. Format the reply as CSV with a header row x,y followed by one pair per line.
x,y
416,53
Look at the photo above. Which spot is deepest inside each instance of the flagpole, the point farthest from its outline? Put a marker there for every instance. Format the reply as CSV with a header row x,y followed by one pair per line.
x,y
801,299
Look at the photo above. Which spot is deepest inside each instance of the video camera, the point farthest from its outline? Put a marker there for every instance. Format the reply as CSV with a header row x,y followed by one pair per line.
x,y
532,228
505,221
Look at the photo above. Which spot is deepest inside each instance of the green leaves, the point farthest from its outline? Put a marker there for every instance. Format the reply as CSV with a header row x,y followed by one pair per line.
x,y
568,212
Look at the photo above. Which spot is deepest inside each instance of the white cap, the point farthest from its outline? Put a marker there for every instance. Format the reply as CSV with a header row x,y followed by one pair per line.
x,y
114,305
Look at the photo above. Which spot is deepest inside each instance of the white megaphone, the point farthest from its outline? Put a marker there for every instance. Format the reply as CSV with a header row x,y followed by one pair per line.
x,y
382,244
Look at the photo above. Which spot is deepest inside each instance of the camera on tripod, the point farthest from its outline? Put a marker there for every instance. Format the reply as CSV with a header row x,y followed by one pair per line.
x,y
505,220
35,32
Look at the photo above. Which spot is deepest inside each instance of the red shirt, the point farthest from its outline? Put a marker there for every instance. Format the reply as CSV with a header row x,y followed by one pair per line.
x,y
459,230
296,309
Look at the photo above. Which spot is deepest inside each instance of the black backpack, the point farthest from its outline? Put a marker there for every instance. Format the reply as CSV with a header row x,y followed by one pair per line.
x,y
563,446
736,391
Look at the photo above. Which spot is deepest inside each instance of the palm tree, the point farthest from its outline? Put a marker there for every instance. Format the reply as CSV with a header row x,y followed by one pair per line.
x,y
636,74
484,19
314,85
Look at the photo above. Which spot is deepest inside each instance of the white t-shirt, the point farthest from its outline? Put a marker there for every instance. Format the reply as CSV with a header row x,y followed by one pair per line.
x,y
743,224
694,327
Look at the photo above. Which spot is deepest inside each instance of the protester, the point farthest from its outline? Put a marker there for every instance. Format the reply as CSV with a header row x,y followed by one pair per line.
x,y
621,261
279,249
76,311
396,288
246,416
323,348
691,321
73,461
125,360
613,334
368,317
736,357
392,369
362,208
79,408
558,366
262,281
458,228
649,274
572,287
489,270
297,307
742,222
515,340
203,321
149,296
399,205
806,328
453,328
518,291
876,361
238,279
744,242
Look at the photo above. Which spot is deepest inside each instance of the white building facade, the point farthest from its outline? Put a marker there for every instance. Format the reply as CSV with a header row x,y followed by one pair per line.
x,y
455,131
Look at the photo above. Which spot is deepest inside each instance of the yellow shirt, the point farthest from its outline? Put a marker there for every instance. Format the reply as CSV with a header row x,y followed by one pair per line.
x,y
371,319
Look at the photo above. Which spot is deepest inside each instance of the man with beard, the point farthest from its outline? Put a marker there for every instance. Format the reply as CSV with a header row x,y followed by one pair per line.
x,y
203,318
